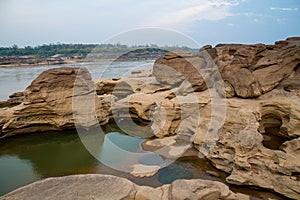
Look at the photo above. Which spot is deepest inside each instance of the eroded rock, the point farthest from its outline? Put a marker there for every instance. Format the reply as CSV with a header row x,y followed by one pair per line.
x,y
47,103
261,96
96,186
240,150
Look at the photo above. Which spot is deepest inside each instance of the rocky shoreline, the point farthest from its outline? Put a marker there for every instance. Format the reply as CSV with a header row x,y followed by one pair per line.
x,y
23,61
59,59
233,121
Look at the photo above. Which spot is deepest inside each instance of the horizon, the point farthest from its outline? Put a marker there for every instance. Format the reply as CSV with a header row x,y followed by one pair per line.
x,y
135,45
33,23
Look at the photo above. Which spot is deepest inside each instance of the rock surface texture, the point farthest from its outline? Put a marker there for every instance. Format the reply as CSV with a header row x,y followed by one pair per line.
x,y
246,124
96,186
46,105
261,83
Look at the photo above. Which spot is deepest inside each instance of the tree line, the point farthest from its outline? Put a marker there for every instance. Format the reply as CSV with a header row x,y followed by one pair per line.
x,y
48,50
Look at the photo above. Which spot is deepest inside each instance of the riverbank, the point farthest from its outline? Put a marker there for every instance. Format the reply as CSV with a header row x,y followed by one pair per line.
x,y
31,62
60,59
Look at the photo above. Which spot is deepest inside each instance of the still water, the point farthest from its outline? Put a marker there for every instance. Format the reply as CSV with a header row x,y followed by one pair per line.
x,y
32,157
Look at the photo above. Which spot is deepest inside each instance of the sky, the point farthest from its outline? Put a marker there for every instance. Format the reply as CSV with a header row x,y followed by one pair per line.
x,y
36,22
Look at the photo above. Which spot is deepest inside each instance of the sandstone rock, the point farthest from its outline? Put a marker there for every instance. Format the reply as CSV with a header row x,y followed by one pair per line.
x,y
136,106
250,69
244,83
105,86
47,103
140,170
96,186
175,70
14,99
177,54
16,94
76,187
240,151
212,173
122,90
256,69
174,101
199,189
225,89
128,85
149,193
209,50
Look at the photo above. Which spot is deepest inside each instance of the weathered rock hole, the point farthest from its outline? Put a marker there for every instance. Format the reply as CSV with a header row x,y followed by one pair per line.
x,y
270,126
1,134
232,51
297,68
296,176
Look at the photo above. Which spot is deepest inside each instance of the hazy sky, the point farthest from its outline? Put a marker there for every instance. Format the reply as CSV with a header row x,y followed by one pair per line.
x,y
35,22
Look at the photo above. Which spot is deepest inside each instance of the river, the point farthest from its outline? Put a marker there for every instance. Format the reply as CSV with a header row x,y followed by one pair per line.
x,y
15,79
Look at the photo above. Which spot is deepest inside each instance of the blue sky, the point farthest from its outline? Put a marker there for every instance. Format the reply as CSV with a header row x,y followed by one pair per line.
x,y
35,22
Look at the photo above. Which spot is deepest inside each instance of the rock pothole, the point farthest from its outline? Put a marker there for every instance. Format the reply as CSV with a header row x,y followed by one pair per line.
x,y
270,127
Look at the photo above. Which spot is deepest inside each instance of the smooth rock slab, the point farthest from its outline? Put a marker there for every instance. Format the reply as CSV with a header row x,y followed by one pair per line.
x,y
81,187
98,186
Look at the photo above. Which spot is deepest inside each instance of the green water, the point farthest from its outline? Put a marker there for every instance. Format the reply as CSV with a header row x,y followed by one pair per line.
x,y
25,159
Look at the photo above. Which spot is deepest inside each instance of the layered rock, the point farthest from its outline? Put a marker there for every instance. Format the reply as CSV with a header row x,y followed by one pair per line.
x,y
14,99
251,70
178,66
95,186
241,151
46,104
240,148
256,69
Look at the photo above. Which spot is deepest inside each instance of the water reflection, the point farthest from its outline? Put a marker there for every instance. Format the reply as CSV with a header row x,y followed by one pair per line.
x,y
28,158
12,168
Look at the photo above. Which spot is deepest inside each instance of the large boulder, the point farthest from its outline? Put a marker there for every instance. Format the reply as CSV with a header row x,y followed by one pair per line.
x,y
253,70
177,66
46,104
96,186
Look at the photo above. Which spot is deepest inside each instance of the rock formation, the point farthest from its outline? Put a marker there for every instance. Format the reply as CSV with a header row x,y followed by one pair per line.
x,y
247,123
96,186
252,71
266,74
46,104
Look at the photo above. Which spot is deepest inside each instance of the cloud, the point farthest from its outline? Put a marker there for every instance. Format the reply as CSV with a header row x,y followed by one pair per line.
x,y
255,20
257,17
179,17
284,9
